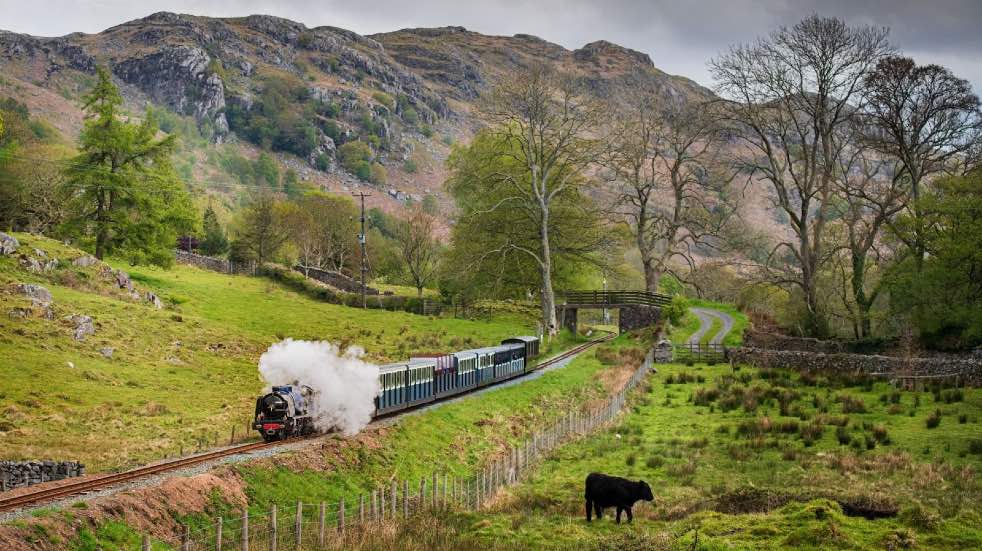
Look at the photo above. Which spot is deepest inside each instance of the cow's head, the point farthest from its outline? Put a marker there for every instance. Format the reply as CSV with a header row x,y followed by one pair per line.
x,y
644,491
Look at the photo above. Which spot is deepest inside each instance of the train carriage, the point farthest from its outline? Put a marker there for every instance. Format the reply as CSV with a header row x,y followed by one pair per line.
x,y
531,346
392,388
466,369
420,373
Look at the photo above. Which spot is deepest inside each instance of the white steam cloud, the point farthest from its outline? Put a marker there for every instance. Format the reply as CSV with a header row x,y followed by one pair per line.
x,y
345,386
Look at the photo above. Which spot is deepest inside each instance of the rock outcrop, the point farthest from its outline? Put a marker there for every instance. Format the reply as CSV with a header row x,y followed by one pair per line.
x,y
180,78
8,244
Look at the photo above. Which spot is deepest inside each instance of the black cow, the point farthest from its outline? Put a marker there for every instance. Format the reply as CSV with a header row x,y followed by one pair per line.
x,y
611,491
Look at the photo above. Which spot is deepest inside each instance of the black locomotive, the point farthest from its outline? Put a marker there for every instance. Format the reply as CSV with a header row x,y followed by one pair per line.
x,y
286,411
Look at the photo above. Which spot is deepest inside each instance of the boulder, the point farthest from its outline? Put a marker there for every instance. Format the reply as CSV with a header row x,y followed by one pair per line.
x,y
36,293
107,351
82,324
123,280
8,244
85,261
153,299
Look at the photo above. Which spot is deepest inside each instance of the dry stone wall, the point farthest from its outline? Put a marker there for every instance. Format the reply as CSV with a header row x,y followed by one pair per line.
x,y
214,264
18,474
967,369
335,279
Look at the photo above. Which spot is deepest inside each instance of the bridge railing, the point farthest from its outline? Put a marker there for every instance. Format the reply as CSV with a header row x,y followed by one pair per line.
x,y
611,298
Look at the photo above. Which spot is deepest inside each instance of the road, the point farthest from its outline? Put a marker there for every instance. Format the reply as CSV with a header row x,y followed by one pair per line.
x,y
706,317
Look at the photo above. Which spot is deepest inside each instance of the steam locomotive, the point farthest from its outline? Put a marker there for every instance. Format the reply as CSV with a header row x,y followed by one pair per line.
x,y
287,410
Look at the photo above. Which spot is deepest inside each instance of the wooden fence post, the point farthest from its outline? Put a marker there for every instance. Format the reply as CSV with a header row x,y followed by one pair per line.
x,y
361,509
374,505
186,538
245,530
323,524
274,529
218,533
145,546
435,490
297,525
395,499
405,498
446,489
422,491
341,517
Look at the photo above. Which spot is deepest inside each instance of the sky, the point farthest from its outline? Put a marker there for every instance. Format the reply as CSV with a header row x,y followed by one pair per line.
x,y
680,36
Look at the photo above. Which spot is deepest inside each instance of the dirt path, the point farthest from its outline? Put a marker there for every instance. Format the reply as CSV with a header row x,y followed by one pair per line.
x,y
706,316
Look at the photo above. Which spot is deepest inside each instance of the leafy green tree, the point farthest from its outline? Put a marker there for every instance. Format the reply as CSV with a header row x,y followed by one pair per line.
x,y
262,229
493,237
215,242
125,191
267,170
943,297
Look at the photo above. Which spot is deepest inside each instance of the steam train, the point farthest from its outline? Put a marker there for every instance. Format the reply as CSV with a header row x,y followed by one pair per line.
x,y
288,410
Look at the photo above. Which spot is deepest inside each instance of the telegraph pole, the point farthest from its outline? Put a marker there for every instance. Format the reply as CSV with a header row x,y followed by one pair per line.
x,y
362,239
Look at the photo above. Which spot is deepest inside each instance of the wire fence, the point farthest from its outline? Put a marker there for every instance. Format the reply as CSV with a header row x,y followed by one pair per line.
x,y
309,526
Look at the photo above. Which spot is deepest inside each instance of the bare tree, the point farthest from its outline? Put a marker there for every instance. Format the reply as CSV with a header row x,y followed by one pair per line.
x,y
322,226
925,118
672,185
419,247
789,96
872,192
545,125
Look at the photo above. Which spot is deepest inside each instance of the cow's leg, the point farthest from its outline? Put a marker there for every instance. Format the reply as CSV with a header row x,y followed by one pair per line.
x,y
618,514
630,516
598,510
589,510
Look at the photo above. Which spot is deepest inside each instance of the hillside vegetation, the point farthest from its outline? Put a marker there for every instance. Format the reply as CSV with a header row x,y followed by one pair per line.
x,y
178,377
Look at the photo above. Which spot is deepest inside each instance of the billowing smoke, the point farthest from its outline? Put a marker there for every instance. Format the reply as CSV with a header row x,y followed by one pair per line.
x,y
345,386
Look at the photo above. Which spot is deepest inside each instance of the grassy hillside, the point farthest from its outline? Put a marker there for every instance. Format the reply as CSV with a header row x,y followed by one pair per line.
x,y
178,377
732,468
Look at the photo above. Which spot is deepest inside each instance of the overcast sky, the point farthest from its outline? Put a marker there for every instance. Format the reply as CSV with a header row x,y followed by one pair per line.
x,y
680,36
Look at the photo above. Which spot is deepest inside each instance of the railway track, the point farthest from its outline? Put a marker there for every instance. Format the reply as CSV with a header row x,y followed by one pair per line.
x,y
111,479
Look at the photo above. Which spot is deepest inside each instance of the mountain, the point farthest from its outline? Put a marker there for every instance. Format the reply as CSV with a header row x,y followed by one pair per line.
x,y
266,83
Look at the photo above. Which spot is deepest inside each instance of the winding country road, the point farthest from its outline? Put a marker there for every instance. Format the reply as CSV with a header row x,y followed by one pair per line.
x,y
706,316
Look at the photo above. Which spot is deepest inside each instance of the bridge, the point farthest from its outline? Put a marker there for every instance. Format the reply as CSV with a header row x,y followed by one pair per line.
x,y
637,309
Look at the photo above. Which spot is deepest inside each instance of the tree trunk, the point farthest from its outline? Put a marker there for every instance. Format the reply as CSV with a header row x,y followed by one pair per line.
x,y
102,236
652,275
548,295
419,291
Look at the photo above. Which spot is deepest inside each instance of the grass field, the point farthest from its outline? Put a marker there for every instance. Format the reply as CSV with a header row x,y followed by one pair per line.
x,y
761,460
178,378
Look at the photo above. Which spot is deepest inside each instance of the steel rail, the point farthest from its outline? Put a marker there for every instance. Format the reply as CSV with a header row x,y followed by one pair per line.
x,y
112,479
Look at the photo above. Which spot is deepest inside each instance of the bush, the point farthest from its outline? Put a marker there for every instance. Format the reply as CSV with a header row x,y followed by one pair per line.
x,y
384,99
410,166
377,174
851,404
934,419
962,419
880,434
410,116
843,436
353,154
